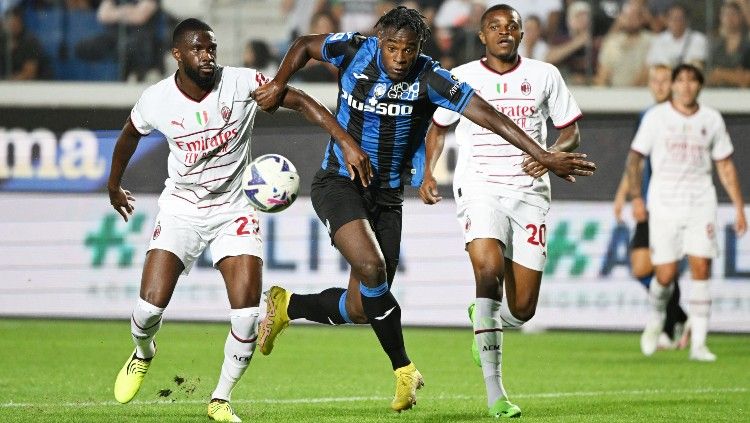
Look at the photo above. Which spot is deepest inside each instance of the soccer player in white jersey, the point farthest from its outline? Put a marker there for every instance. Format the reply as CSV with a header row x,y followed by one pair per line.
x,y
501,208
683,138
206,114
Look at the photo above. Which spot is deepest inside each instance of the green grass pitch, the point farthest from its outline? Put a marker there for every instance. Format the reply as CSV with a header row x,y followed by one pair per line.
x,y
63,371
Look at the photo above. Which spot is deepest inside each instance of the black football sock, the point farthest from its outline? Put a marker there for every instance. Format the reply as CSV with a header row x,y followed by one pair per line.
x,y
384,314
327,307
675,313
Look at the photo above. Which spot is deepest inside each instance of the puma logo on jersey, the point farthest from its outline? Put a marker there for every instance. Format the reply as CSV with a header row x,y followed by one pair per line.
x,y
180,123
360,76
386,314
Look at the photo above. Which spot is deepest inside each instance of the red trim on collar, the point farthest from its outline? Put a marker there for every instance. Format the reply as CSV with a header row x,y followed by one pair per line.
x,y
482,60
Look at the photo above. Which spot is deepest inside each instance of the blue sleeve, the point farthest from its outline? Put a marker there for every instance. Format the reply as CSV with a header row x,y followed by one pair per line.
x,y
446,91
340,48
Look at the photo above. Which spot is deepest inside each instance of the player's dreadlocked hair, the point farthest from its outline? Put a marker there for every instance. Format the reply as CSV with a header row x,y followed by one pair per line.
x,y
402,17
188,25
500,7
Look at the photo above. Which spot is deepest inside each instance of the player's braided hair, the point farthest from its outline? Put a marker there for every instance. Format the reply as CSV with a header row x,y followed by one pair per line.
x,y
188,25
403,17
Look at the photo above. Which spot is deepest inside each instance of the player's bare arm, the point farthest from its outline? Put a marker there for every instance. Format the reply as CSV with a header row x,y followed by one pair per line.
x,y
434,142
121,199
621,196
634,169
728,177
564,165
302,50
568,140
357,161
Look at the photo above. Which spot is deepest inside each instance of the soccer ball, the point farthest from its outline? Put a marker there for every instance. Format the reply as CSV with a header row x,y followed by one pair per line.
x,y
271,183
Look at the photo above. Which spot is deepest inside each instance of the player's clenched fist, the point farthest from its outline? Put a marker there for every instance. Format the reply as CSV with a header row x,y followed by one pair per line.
x,y
268,96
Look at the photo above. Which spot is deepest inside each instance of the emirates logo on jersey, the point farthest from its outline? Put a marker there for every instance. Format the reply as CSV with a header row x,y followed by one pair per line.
x,y
525,87
226,113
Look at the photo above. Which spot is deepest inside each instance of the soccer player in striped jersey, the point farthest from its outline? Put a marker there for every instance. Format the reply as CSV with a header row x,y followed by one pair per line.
x,y
660,86
387,94
502,200
206,115
683,140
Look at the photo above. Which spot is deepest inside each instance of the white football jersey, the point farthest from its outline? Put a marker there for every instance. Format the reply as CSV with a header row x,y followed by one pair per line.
x,y
681,150
529,94
209,140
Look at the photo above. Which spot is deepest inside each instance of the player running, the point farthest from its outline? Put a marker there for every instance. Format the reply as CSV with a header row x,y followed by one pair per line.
x,y
682,138
502,195
206,114
659,84
387,94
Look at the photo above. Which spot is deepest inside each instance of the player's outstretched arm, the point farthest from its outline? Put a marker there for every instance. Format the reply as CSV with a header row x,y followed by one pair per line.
x,y
568,140
634,169
121,199
434,143
564,165
728,177
302,50
357,161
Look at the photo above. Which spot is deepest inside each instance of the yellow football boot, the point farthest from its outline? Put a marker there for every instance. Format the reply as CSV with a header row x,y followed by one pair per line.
x,y
277,319
221,411
130,378
408,380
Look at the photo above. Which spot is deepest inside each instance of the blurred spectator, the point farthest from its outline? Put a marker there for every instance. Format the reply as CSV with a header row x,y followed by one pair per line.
x,y
357,15
622,60
298,14
575,53
730,50
464,44
679,43
744,6
141,48
258,56
532,44
547,11
78,4
317,71
453,14
22,56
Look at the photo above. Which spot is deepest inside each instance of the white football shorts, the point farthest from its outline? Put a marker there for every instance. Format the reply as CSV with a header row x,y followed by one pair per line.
x,y
520,226
229,233
673,238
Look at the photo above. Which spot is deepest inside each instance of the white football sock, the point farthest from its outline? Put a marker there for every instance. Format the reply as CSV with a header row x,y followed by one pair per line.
x,y
488,332
144,324
658,296
700,309
238,350
507,318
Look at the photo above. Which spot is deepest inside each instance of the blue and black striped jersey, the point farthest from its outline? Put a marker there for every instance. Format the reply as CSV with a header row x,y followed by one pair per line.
x,y
389,119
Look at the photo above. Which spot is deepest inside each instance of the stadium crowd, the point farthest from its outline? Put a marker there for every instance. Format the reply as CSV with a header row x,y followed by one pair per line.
x,y
592,42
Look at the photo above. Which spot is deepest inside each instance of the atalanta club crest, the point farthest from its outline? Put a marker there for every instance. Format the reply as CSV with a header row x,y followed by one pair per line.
x,y
525,87
226,113
157,231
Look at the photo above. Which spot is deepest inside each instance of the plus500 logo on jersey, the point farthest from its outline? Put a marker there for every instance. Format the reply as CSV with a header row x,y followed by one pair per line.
x,y
374,106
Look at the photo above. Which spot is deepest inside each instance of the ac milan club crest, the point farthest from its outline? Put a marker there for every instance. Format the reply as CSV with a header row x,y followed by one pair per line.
x,y
525,87
157,231
710,232
467,225
226,113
